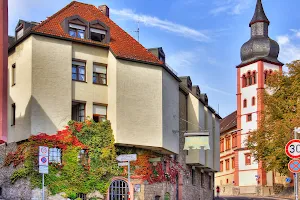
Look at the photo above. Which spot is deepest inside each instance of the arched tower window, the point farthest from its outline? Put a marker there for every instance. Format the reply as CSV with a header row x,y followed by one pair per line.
x,y
249,78
254,77
265,76
253,101
245,103
244,80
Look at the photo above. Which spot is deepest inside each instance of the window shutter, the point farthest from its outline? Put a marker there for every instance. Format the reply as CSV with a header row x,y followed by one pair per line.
x,y
100,69
77,26
99,110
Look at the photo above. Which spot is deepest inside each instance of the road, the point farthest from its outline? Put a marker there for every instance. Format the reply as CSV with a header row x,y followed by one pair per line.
x,y
243,198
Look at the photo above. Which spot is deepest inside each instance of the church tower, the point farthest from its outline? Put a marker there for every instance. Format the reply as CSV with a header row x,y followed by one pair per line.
x,y
259,57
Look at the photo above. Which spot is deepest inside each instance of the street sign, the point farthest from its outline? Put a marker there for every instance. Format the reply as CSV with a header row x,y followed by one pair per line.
x,y
43,151
126,157
288,180
43,170
294,166
123,164
43,160
292,148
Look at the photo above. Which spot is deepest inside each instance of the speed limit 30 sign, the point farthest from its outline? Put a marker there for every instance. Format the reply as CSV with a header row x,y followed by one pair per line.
x,y
292,148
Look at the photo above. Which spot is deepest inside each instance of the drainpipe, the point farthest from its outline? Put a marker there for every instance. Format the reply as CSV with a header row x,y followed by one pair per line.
x,y
3,69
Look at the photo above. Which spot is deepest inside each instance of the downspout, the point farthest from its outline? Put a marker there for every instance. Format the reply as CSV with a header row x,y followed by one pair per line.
x,y
3,69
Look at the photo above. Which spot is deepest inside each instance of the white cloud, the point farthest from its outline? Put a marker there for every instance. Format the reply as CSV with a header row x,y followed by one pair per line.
x,y
162,24
297,32
232,7
217,90
283,39
289,48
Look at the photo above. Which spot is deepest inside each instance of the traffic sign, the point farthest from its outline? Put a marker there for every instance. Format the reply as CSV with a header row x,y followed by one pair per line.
x,y
294,166
288,180
126,157
43,151
292,148
43,169
123,164
43,160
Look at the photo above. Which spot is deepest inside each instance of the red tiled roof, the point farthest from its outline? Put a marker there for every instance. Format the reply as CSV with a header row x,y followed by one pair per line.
x,y
121,43
228,122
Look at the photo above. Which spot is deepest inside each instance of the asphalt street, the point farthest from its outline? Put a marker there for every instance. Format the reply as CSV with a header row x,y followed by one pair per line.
x,y
243,198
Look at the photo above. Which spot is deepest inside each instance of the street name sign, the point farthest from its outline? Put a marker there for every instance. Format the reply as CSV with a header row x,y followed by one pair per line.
x,y
294,166
123,164
292,148
126,157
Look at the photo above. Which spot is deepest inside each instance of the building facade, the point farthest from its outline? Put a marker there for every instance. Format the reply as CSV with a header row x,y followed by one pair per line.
x,y
259,58
78,64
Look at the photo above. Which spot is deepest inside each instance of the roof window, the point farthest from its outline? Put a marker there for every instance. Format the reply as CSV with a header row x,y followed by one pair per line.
x,y
77,31
97,34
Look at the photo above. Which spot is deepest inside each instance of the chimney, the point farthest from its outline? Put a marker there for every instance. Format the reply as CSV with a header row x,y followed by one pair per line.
x,y
3,69
104,9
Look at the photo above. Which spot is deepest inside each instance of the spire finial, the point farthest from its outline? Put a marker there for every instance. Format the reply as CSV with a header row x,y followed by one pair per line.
x,y
259,14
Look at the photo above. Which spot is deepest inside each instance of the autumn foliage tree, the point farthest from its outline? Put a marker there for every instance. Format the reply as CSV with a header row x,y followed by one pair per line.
x,y
281,114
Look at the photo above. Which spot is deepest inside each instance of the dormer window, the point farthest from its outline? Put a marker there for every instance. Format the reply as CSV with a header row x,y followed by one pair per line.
x,y
97,34
20,31
77,31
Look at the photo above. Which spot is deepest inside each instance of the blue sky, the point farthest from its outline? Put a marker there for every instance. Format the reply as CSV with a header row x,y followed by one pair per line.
x,y
201,38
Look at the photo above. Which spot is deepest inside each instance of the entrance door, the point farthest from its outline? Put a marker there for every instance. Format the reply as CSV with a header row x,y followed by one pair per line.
x,y
118,190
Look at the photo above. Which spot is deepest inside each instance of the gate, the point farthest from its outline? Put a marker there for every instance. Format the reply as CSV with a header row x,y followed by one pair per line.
x,y
118,190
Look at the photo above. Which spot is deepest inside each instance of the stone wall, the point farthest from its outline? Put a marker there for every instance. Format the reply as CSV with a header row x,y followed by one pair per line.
x,y
20,190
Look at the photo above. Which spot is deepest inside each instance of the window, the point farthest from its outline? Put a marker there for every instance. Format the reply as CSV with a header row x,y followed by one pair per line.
x,y
202,179
13,114
222,145
83,157
247,159
249,117
253,101
193,176
227,143
82,196
234,140
55,155
19,31
13,74
254,77
77,31
244,81
221,166
249,77
227,180
227,164
99,74
99,112
97,34
78,111
78,71
265,76
245,103
232,163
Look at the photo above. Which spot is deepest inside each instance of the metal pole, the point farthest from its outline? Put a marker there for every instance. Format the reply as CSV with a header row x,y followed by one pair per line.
x,y
129,179
296,174
43,190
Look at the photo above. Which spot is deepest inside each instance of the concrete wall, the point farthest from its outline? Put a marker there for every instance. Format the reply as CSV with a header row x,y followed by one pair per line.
x,y
20,93
51,84
209,162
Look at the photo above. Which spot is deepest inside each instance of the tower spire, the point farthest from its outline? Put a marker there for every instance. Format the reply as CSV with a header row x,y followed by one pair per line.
x,y
259,14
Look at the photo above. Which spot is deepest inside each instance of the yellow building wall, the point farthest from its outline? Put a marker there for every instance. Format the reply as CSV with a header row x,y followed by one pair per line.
x,y
51,84
87,91
20,94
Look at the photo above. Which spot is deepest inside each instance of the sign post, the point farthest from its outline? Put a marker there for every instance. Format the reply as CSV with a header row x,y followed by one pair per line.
x,y
43,166
292,150
125,160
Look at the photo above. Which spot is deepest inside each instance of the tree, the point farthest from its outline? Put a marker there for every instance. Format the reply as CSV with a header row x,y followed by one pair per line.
x,y
281,114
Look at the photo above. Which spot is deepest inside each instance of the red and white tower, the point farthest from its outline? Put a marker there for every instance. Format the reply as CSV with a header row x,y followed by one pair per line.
x,y
259,58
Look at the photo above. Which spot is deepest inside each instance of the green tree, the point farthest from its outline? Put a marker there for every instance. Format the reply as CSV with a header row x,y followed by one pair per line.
x,y
281,114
